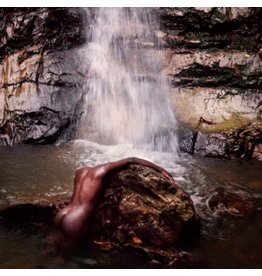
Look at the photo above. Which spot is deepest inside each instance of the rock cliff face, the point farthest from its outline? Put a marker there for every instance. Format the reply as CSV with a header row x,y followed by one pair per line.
x,y
39,95
213,58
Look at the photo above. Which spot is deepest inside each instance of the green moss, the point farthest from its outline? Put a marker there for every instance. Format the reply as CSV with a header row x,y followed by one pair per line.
x,y
237,121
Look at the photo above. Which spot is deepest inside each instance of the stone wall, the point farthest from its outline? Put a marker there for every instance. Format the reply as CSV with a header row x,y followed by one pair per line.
x,y
39,76
213,60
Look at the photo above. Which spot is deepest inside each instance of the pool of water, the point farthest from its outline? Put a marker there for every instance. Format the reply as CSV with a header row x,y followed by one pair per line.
x,y
38,173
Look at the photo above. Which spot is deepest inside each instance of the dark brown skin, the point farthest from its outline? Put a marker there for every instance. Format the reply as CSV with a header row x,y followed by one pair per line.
x,y
72,222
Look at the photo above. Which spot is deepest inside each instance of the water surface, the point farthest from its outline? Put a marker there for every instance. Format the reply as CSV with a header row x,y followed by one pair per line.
x,y
35,173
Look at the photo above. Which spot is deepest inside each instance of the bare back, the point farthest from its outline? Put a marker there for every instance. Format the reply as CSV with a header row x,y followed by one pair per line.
x,y
72,221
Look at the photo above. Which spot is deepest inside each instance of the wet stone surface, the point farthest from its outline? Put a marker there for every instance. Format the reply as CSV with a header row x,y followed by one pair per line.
x,y
140,203
39,98
209,139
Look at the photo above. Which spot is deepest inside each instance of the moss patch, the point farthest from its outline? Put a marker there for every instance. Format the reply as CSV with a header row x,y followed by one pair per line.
x,y
236,121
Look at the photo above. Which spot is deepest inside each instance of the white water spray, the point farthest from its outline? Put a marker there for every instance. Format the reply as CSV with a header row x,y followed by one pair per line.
x,y
127,98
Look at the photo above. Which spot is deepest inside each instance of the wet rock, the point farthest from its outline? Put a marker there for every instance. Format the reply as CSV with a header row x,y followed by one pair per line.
x,y
139,202
213,60
227,108
56,28
28,213
200,28
257,154
186,139
225,202
233,13
40,83
223,67
231,125
40,127
217,145
229,144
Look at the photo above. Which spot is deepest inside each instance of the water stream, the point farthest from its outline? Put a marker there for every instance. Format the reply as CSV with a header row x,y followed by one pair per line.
x,y
127,99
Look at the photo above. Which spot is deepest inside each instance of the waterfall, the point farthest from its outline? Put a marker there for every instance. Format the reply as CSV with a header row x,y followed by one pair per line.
x,y
127,96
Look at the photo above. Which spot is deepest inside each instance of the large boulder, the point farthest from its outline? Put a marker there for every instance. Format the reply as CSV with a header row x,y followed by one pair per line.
x,y
139,205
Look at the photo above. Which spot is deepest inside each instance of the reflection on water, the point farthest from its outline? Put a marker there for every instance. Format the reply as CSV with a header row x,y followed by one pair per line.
x,y
35,173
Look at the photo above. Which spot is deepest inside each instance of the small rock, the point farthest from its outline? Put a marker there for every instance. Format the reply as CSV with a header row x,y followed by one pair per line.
x,y
186,139
225,202
257,154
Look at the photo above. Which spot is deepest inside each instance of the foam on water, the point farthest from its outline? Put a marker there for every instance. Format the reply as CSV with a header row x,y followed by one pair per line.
x,y
93,154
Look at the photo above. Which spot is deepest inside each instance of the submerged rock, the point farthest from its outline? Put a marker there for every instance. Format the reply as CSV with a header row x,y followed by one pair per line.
x,y
226,202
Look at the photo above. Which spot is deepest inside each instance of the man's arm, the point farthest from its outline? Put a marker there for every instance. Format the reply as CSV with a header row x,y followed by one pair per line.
x,y
107,168
153,166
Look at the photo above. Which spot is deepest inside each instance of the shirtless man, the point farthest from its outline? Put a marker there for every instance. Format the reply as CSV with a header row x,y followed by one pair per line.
x,y
72,222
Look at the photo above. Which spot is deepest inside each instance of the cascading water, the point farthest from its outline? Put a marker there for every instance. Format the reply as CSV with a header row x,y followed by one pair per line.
x,y
127,98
